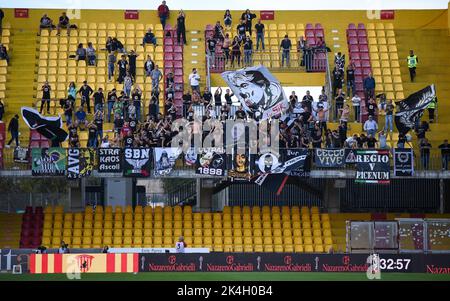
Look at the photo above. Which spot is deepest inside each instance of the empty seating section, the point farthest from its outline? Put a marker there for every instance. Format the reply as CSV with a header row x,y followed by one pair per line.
x,y
37,140
384,59
32,222
173,62
236,229
359,56
6,33
56,66
273,34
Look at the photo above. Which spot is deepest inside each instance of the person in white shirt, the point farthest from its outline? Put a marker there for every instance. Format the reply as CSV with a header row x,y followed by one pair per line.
x,y
105,142
370,126
356,101
180,245
194,80
351,141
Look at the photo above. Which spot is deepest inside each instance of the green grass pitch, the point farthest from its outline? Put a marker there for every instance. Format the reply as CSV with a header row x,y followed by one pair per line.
x,y
231,276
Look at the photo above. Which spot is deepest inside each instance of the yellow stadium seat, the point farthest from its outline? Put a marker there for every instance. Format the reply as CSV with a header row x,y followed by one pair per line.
x,y
309,248
307,233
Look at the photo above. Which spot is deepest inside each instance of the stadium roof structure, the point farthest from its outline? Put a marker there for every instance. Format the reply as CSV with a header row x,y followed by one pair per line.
x,y
230,4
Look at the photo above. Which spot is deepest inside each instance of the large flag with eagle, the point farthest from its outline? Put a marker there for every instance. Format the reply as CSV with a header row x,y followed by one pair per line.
x,y
410,109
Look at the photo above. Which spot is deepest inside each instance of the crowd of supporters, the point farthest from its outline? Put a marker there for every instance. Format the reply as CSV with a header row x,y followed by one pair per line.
x,y
305,124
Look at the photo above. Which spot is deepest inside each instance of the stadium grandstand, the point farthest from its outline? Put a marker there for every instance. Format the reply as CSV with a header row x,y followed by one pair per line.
x,y
94,100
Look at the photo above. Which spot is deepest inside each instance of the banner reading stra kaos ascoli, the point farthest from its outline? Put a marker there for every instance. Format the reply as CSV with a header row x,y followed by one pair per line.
x,y
83,263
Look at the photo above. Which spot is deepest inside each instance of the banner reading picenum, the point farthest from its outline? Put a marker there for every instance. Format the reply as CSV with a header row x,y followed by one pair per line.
x,y
72,264
137,162
80,162
372,166
109,160
403,162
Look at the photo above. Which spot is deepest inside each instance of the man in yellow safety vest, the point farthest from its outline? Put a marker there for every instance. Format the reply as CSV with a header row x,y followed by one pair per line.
x,y
412,63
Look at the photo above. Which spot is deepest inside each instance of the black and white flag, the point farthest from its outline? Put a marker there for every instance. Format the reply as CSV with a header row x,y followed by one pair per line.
x,y
411,109
259,92
211,161
137,162
21,154
165,158
403,162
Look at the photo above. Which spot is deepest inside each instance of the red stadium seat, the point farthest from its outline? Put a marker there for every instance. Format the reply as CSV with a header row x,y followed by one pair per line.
x,y
365,63
354,48
178,57
351,26
169,64
351,33
178,64
361,26
309,26
168,49
309,33
355,56
362,40
168,57
352,41
362,33
363,48
364,56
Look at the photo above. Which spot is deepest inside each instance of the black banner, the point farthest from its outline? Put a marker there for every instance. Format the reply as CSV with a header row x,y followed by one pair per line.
x,y
137,162
403,162
329,157
22,155
294,262
80,162
304,170
211,162
410,110
372,166
109,160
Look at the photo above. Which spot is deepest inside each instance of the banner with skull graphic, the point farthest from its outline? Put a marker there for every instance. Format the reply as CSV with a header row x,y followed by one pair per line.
x,y
211,161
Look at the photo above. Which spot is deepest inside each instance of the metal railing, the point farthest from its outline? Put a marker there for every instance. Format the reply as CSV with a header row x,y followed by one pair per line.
x,y
276,61
399,236
17,202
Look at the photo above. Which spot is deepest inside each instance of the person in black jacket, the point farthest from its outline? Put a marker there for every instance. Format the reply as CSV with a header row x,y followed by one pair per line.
x,y
132,63
2,110
181,27
86,92
2,15
149,65
149,38
248,17
13,128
